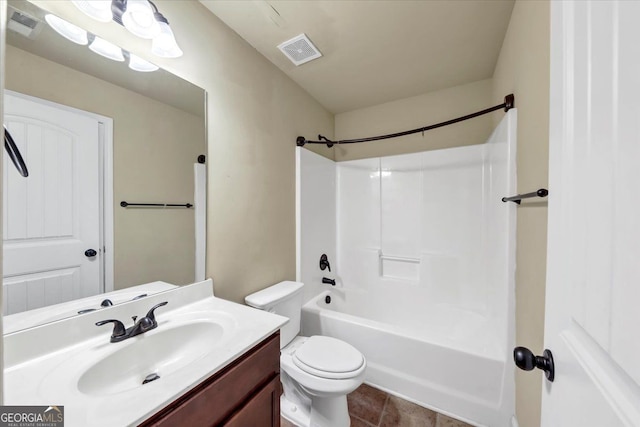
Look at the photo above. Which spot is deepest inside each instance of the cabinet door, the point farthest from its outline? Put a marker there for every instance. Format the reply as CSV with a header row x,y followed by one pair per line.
x,y
262,410
220,397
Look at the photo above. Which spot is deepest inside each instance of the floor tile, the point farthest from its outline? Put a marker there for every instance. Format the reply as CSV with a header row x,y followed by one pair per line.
x,y
444,421
367,403
357,422
370,407
400,413
285,423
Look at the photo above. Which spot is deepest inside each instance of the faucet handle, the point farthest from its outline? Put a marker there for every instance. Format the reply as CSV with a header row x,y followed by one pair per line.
x,y
324,263
118,327
151,314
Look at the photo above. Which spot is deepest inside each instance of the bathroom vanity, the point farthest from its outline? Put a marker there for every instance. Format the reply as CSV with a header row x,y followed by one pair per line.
x,y
245,393
208,362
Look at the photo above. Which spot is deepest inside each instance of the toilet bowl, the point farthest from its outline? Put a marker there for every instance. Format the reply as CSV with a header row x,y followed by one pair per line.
x,y
316,372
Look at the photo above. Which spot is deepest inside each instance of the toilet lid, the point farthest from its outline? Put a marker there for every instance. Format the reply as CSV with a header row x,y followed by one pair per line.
x,y
328,357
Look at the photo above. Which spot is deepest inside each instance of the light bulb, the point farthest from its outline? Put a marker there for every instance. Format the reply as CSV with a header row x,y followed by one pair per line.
x,y
100,10
138,64
164,44
67,29
139,20
106,49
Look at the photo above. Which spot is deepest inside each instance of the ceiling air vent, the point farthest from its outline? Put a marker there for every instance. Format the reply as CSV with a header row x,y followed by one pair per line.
x,y
23,24
300,50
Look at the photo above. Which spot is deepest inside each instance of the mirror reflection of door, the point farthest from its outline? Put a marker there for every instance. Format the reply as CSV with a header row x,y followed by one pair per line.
x,y
157,131
52,219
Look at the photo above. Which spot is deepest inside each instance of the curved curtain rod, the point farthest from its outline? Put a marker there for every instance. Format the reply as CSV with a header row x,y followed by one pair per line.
x,y
509,103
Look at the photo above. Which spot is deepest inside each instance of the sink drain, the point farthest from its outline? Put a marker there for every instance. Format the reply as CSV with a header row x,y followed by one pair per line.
x,y
150,377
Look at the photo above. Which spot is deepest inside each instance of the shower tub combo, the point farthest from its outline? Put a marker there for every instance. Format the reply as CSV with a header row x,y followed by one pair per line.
x,y
423,250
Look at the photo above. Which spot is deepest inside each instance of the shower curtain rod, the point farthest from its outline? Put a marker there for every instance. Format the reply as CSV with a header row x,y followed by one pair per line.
x,y
507,105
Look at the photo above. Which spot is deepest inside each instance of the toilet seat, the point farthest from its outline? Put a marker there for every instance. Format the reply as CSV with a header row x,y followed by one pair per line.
x,y
329,358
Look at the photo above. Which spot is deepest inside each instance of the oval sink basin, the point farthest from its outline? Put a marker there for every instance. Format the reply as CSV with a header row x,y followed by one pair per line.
x,y
160,352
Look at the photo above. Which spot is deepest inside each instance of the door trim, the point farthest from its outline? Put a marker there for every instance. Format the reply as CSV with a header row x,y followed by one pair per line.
x,y
105,137
614,384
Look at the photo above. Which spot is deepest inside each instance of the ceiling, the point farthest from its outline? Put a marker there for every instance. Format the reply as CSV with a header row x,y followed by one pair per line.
x,y
375,51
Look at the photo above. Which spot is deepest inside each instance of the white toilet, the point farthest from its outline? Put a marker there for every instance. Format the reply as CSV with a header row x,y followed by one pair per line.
x,y
317,372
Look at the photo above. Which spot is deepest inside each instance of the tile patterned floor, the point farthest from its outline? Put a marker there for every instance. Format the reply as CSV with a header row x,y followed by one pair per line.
x,y
370,407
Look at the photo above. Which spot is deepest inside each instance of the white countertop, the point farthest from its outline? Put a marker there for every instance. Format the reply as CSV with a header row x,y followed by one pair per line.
x,y
49,376
30,318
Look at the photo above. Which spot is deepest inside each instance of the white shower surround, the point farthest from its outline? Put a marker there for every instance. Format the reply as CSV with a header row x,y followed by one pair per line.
x,y
426,270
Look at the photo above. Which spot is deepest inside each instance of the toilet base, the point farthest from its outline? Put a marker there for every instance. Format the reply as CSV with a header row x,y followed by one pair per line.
x,y
293,413
325,412
330,412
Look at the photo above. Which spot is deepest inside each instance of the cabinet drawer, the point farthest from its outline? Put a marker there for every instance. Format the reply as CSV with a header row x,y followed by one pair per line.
x,y
216,398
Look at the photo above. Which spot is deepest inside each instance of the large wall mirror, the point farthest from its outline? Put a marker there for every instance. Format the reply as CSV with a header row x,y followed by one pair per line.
x,y
95,133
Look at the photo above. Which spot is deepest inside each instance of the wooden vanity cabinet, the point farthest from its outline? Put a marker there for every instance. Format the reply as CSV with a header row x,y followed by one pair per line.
x,y
244,394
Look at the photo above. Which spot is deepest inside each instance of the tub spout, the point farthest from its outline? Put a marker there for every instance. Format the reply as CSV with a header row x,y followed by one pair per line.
x,y
328,281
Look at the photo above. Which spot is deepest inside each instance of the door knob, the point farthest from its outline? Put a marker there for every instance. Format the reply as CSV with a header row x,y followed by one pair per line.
x,y
90,253
527,361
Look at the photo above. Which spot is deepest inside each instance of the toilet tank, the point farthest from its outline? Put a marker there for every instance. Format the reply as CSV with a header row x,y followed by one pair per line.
x,y
285,299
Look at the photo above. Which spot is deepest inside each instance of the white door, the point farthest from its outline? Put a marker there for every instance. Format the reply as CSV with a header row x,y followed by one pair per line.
x,y
53,216
593,277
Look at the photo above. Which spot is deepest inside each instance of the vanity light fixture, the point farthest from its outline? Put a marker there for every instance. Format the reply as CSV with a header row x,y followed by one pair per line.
x,y
67,29
164,44
141,17
100,10
138,64
106,49
98,45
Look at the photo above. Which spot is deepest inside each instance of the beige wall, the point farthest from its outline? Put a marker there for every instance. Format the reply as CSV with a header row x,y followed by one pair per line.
x,y
255,113
415,112
154,148
523,68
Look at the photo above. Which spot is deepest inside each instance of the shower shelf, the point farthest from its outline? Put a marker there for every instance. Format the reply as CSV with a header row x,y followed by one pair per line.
x,y
400,258
543,192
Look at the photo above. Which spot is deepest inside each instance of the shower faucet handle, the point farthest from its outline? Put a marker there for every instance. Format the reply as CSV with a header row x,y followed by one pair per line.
x,y
324,262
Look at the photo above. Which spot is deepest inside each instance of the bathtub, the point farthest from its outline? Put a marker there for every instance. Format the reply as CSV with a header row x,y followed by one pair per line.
x,y
444,358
